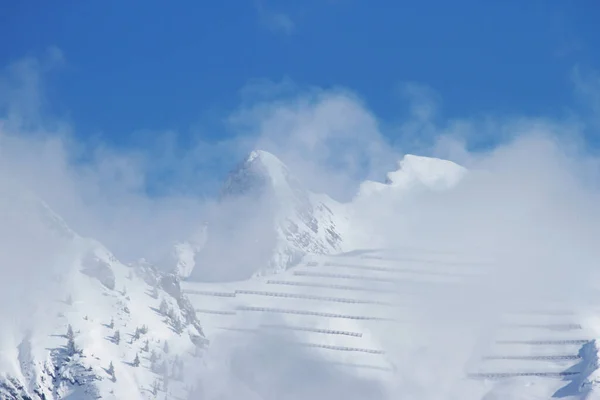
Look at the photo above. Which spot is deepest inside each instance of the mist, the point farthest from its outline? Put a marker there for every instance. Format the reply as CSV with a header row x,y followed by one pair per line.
x,y
529,204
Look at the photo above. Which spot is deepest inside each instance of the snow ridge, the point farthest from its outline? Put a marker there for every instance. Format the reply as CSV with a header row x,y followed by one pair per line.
x,y
119,331
262,195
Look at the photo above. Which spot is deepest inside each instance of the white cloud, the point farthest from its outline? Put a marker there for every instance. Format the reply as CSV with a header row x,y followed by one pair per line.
x,y
276,21
328,137
532,202
587,85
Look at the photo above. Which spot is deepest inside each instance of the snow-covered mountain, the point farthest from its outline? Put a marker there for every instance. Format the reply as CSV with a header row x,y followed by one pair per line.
x,y
86,325
181,259
288,297
266,222
416,172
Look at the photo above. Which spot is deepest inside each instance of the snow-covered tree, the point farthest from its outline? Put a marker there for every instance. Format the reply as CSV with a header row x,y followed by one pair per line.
x,y
177,369
155,387
136,361
70,334
71,348
177,325
146,346
166,347
111,370
166,378
195,393
117,337
112,323
164,307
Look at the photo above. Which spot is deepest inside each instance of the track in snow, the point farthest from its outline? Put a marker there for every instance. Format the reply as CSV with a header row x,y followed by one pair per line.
x,y
263,329
290,296
504,375
544,342
314,330
426,261
542,312
396,270
216,312
554,327
346,276
331,286
311,297
209,293
340,348
558,357
313,345
353,365
313,313
368,278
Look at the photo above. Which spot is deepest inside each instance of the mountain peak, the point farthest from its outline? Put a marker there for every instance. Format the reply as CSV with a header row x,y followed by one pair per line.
x,y
263,156
260,170
417,171
431,172
270,218
269,165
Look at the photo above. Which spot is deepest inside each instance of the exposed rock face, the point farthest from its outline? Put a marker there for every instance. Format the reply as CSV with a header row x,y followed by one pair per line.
x,y
262,199
99,269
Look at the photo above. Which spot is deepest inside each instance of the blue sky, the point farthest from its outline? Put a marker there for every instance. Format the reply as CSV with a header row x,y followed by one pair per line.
x,y
148,66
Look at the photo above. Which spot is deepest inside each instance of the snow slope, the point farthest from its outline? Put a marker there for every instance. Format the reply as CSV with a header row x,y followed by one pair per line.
x,y
101,313
391,324
379,318
270,219
290,296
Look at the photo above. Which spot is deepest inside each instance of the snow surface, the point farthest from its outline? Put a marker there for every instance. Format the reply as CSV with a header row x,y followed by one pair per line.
x,y
266,208
95,290
327,313
416,171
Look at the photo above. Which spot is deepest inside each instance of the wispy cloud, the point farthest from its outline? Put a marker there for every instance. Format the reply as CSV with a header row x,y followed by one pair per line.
x,y
587,85
533,203
276,21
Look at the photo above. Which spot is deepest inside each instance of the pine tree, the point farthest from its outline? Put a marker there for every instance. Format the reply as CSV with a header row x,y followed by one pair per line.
x,y
70,334
112,323
155,387
177,370
71,348
164,307
165,377
146,346
177,325
195,393
117,337
136,361
111,369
